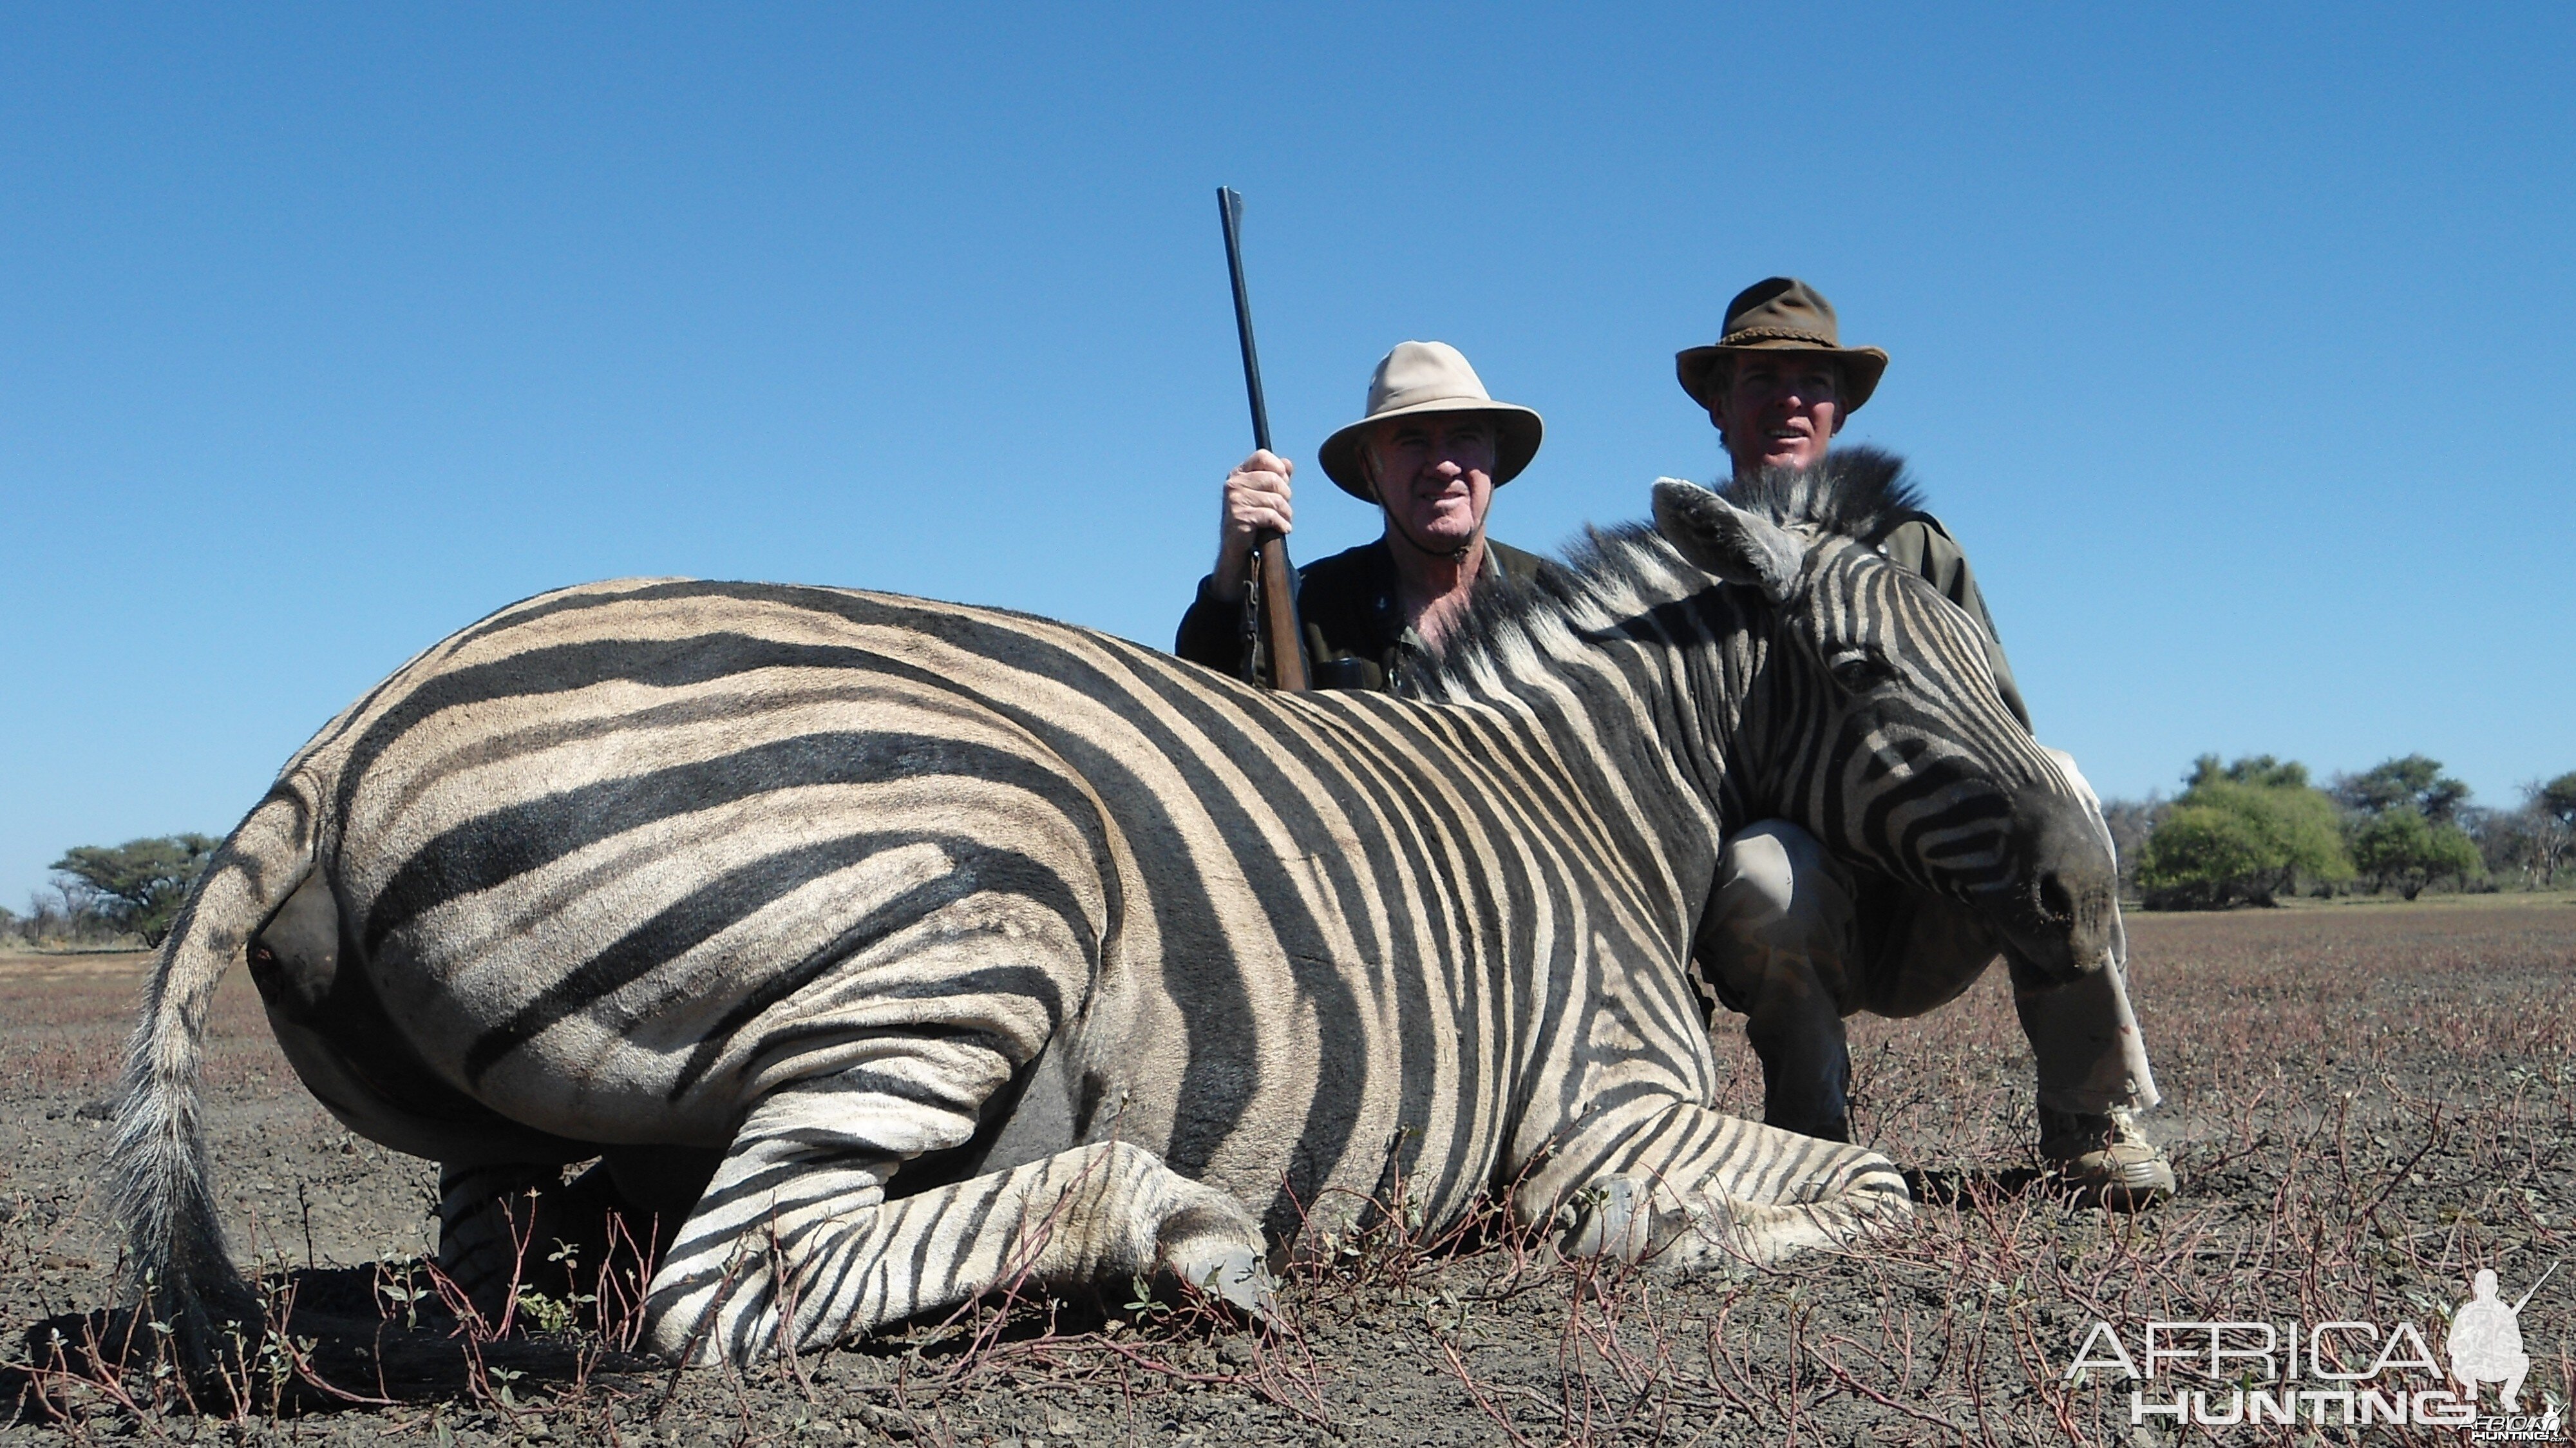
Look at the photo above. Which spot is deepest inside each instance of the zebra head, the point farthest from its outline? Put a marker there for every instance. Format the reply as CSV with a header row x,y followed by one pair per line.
x,y
1873,717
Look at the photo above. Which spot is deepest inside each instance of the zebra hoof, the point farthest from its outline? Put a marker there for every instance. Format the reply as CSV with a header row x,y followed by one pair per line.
x,y
1606,1219
1215,1246
1239,1278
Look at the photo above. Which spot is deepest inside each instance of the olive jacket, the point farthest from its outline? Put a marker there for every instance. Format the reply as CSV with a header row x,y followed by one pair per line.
x,y
1917,542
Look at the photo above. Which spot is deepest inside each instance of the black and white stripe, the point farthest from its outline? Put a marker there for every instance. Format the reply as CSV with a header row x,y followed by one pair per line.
x,y
976,944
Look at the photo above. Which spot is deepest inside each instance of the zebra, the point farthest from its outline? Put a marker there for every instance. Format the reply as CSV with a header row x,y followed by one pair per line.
x,y
922,948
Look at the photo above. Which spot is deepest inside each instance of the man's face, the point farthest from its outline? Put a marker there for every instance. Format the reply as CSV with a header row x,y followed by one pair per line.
x,y
1780,410
1435,476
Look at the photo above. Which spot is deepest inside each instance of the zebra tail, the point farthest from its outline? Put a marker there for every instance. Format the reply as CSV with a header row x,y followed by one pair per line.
x,y
178,1269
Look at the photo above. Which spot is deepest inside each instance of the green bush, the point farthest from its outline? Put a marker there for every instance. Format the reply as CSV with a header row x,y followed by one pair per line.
x,y
2247,832
2399,847
2405,825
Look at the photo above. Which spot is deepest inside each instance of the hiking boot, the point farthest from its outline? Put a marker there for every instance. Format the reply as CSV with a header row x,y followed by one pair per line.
x,y
2105,1160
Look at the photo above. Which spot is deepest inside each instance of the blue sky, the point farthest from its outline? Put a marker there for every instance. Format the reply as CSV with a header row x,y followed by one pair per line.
x,y
2233,342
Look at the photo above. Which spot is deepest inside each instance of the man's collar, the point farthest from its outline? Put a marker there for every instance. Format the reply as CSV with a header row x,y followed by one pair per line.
x,y
1385,558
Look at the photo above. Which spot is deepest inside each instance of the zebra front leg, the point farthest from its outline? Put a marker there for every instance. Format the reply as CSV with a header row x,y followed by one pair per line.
x,y
795,1236
1684,1188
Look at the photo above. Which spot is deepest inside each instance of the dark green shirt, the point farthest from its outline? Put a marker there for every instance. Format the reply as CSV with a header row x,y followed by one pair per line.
x,y
1356,636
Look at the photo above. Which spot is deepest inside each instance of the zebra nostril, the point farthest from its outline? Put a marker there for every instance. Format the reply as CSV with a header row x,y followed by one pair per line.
x,y
2055,903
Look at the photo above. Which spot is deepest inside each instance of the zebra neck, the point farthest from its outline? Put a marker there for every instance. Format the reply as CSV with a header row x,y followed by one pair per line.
x,y
1646,722
1638,667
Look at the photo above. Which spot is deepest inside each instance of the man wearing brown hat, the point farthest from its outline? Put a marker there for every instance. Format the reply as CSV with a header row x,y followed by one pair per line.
x,y
1429,453
1797,940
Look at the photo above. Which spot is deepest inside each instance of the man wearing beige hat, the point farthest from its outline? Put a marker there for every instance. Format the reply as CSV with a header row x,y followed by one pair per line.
x,y
1796,940
1429,453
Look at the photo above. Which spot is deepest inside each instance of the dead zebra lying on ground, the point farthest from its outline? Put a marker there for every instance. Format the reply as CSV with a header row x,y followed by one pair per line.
x,y
961,941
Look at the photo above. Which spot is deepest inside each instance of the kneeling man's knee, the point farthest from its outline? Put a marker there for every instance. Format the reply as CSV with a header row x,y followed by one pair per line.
x,y
1771,869
1782,907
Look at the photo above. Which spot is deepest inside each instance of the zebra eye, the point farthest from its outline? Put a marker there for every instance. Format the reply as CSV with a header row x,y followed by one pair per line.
x,y
1856,671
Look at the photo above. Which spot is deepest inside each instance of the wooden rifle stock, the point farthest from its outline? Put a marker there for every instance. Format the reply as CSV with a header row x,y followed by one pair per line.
x,y
1271,597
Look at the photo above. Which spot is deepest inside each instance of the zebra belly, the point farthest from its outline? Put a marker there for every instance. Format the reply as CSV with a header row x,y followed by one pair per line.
x,y
885,968
647,991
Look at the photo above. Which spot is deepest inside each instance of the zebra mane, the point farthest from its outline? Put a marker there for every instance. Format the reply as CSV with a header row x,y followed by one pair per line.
x,y
1619,572
1859,492
1608,574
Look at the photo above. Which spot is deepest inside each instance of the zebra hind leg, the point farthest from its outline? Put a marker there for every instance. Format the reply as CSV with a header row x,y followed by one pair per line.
x,y
796,1238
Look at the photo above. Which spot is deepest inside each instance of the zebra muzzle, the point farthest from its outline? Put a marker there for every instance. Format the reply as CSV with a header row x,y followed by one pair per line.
x,y
2061,915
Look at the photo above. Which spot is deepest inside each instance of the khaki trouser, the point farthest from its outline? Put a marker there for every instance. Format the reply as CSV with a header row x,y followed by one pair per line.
x,y
1796,942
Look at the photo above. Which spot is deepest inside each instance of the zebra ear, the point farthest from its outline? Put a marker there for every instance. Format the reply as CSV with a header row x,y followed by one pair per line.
x,y
1737,546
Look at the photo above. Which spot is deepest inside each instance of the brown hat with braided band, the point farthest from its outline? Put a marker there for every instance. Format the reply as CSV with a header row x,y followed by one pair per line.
x,y
1782,314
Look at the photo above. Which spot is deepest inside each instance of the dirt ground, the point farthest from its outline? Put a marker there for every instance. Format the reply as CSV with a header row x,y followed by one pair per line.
x,y
2366,1102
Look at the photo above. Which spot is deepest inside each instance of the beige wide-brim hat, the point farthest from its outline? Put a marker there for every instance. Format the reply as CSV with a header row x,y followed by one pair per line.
x,y
1420,377
1782,314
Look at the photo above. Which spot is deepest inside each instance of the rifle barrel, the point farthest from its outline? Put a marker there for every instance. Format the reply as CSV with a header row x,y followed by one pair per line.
x,y
1229,206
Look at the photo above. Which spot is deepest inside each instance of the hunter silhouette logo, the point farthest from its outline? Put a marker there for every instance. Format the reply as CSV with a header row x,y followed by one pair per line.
x,y
2485,1345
